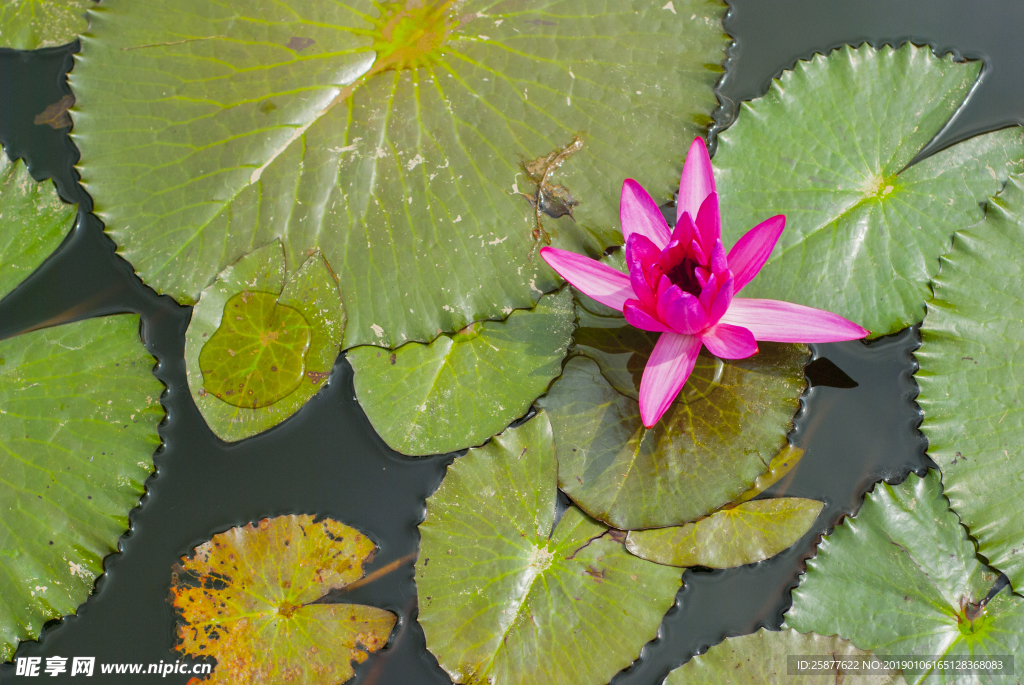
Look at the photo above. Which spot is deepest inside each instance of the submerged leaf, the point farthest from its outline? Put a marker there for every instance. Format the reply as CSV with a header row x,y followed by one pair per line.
x,y
259,347
901,577
972,347
79,408
716,439
762,659
781,464
461,389
744,534
33,24
247,598
392,136
508,595
833,139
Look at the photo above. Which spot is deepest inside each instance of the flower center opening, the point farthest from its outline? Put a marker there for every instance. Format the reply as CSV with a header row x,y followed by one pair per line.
x,y
410,34
683,275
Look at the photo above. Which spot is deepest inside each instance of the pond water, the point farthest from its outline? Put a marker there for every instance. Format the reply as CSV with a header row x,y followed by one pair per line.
x,y
327,460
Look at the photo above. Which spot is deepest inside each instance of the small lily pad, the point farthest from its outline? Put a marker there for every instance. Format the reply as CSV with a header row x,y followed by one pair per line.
x,y
248,599
829,146
762,659
33,24
781,464
902,578
33,222
744,534
508,595
79,407
259,346
731,418
461,389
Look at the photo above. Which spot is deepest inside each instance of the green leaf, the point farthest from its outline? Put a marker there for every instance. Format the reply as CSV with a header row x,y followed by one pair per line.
x,y
33,222
508,595
248,599
744,534
32,24
424,176
781,464
711,445
760,659
461,389
79,408
902,578
260,345
828,146
970,354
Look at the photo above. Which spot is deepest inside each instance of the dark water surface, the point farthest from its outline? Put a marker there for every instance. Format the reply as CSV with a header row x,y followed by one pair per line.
x,y
327,460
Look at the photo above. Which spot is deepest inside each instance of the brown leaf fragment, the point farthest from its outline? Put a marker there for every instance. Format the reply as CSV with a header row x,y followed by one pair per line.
x,y
549,199
56,115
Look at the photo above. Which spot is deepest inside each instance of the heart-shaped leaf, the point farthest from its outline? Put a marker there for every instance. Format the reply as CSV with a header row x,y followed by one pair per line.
x,y
828,146
79,408
763,659
259,346
731,418
426,148
972,344
744,534
33,24
461,389
902,578
509,595
248,599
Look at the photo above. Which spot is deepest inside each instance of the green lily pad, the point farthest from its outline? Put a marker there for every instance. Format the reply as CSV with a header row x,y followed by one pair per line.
x,y
902,578
716,439
508,595
259,344
461,389
761,659
780,465
247,598
828,146
32,24
744,534
33,222
970,393
426,148
79,407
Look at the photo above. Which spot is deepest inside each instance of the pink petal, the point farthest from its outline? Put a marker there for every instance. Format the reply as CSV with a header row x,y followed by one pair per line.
x,y
697,181
708,292
718,262
729,342
709,223
723,299
641,257
665,374
601,282
682,311
702,276
640,214
787,322
637,316
685,230
751,251
697,253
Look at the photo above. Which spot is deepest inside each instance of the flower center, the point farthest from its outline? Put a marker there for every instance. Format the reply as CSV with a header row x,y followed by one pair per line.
x,y
410,34
683,274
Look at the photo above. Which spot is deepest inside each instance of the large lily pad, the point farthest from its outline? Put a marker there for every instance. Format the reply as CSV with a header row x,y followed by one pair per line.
x,y
731,418
828,146
33,222
247,598
761,659
733,536
32,24
902,578
971,352
508,595
260,344
79,408
461,389
426,148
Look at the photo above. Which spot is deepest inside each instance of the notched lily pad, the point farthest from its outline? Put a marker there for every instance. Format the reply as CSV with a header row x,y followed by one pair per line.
x,y
33,24
901,577
508,596
762,659
260,345
731,418
461,389
733,536
861,225
248,599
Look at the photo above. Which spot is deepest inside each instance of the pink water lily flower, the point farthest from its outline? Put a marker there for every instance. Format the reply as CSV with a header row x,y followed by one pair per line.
x,y
682,284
